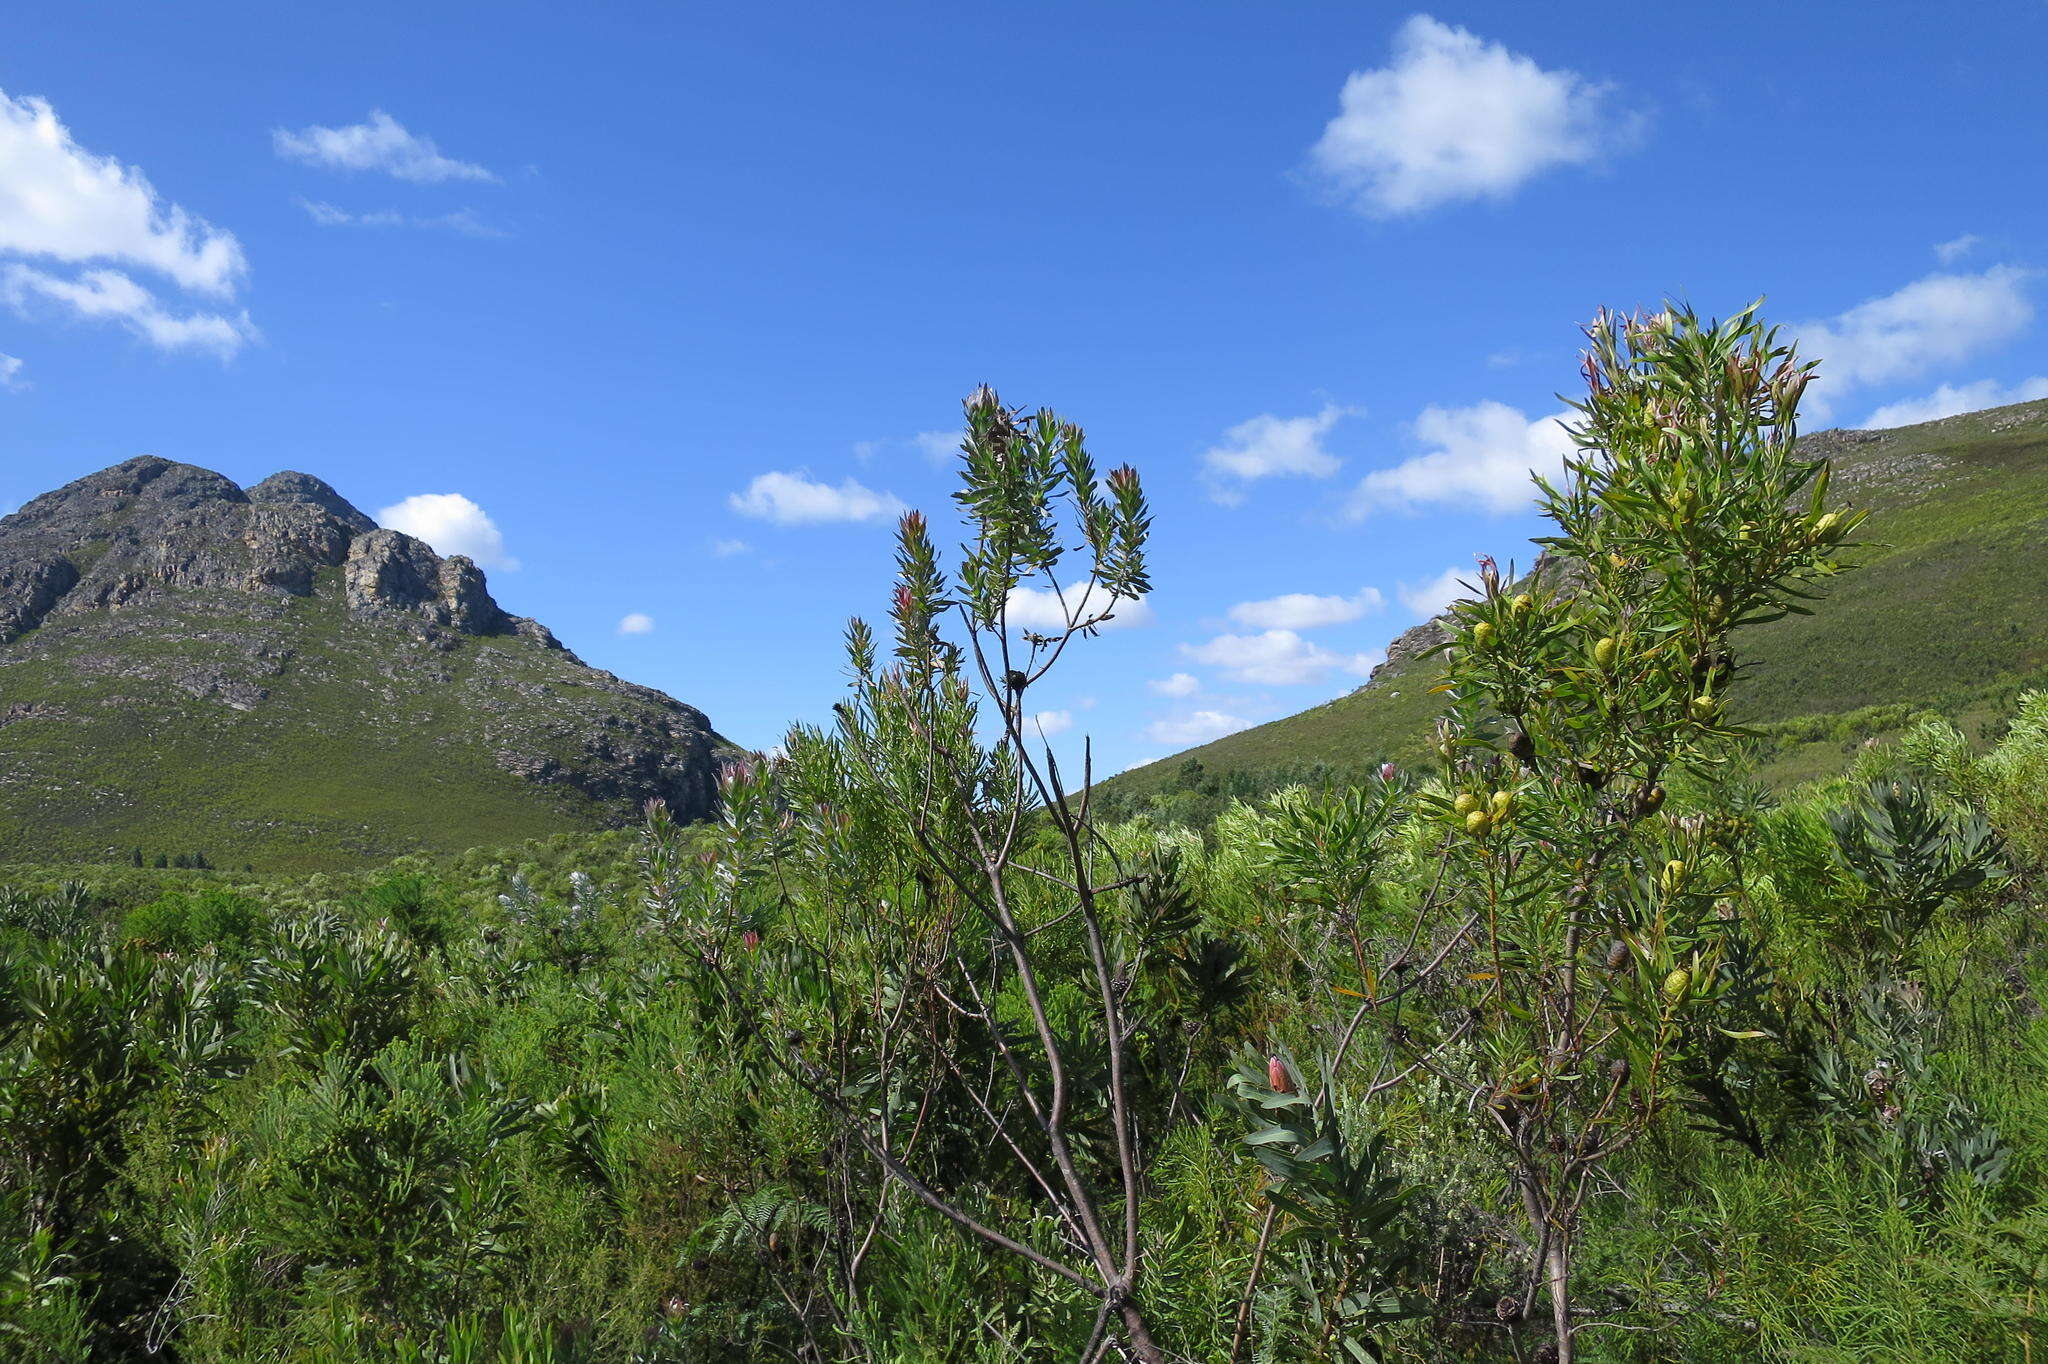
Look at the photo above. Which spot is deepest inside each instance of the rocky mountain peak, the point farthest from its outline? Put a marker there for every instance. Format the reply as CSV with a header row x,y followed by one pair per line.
x,y
149,525
146,483
292,486
154,603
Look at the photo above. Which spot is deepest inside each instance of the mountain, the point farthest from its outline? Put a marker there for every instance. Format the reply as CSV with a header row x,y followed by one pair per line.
x,y
1947,611
265,676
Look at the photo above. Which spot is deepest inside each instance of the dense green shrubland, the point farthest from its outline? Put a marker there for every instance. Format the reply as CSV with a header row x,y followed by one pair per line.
x,y
1574,1041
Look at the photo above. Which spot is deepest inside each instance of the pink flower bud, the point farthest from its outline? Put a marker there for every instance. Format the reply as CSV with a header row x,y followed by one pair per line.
x,y
1387,771
1277,1076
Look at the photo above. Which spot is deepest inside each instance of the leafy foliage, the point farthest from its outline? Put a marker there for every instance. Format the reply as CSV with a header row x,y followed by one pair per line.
x,y
916,1055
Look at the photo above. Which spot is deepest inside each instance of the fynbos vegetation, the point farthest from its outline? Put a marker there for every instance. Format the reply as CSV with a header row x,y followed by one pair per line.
x,y
1570,1042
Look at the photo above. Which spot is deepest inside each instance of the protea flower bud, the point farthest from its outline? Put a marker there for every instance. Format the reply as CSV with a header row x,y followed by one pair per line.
x,y
1674,876
1277,1076
1523,604
1677,986
1605,652
1387,771
1503,804
1704,708
1650,800
751,939
1478,823
1482,636
1466,803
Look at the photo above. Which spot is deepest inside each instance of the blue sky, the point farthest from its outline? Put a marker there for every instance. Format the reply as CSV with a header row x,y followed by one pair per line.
x,y
664,305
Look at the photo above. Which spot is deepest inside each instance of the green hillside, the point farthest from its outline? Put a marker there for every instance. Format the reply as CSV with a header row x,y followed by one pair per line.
x,y
1945,613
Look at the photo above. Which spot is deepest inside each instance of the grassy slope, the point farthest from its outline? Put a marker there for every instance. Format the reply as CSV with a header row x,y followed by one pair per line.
x,y
166,773
1944,611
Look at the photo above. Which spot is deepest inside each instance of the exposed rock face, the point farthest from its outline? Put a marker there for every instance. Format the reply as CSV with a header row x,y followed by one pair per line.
x,y
287,604
1413,642
390,573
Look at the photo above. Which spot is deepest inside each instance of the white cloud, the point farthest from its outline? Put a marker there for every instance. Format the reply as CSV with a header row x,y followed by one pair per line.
x,y
1051,722
1269,447
1952,399
109,295
1276,658
1455,117
1953,250
327,215
1047,612
1180,684
725,549
936,448
452,524
463,221
1431,597
1306,611
381,144
62,204
1938,320
1200,727
636,623
10,374
792,499
1480,457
